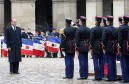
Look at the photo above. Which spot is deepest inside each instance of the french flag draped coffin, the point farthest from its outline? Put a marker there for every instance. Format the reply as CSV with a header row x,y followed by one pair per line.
x,y
38,48
27,47
4,49
53,44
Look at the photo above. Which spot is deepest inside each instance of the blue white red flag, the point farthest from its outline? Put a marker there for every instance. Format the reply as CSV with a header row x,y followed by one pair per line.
x,y
27,47
38,48
4,49
53,44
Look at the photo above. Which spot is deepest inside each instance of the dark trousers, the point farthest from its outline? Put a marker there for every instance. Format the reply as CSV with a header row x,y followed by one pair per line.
x,y
14,67
48,54
83,63
111,60
69,65
54,55
98,66
125,67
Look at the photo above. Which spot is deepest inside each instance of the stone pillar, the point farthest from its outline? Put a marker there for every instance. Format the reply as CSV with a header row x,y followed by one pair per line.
x,y
63,9
93,8
120,8
1,15
24,12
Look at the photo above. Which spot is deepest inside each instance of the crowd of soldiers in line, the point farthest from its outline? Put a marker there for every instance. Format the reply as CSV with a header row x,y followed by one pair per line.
x,y
107,42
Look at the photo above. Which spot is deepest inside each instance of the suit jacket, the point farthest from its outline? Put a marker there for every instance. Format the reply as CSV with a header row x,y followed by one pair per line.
x,y
14,41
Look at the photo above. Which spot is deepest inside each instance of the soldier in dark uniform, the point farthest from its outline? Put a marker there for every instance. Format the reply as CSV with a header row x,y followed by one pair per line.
x,y
109,39
14,44
95,40
69,48
82,44
123,35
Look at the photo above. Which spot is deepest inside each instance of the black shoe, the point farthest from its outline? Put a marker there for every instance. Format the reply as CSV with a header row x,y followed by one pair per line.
x,y
70,78
17,73
65,77
81,78
124,82
11,73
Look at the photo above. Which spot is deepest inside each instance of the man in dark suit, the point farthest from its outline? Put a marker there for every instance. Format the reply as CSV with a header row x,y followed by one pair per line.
x,y
109,39
95,40
69,47
123,39
14,44
82,44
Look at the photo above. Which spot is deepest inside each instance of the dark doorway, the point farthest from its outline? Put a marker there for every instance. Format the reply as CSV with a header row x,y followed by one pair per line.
x,y
7,12
81,8
43,15
107,7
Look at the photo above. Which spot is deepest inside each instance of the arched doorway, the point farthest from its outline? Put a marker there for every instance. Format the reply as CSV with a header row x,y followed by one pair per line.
x,y
107,7
43,15
81,8
7,12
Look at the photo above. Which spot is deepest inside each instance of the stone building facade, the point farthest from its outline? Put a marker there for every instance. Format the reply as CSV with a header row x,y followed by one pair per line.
x,y
25,11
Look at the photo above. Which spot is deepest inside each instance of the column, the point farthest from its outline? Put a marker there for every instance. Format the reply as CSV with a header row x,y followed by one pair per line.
x,y
1,16
24,12
120,8
93,8
63,9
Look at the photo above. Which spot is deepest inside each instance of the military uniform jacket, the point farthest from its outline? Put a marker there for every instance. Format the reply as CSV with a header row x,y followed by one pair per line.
x,y
82,38
95,39
14,41
109,38
68,42
123,35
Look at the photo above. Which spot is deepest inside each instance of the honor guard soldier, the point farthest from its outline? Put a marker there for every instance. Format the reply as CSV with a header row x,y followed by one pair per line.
x,y
95,40
69,48
82,44
109,39
123,35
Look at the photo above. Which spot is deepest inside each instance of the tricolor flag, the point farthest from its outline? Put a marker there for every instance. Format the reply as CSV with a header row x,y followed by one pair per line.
x,y
27,47
4,49
38,48
53,44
